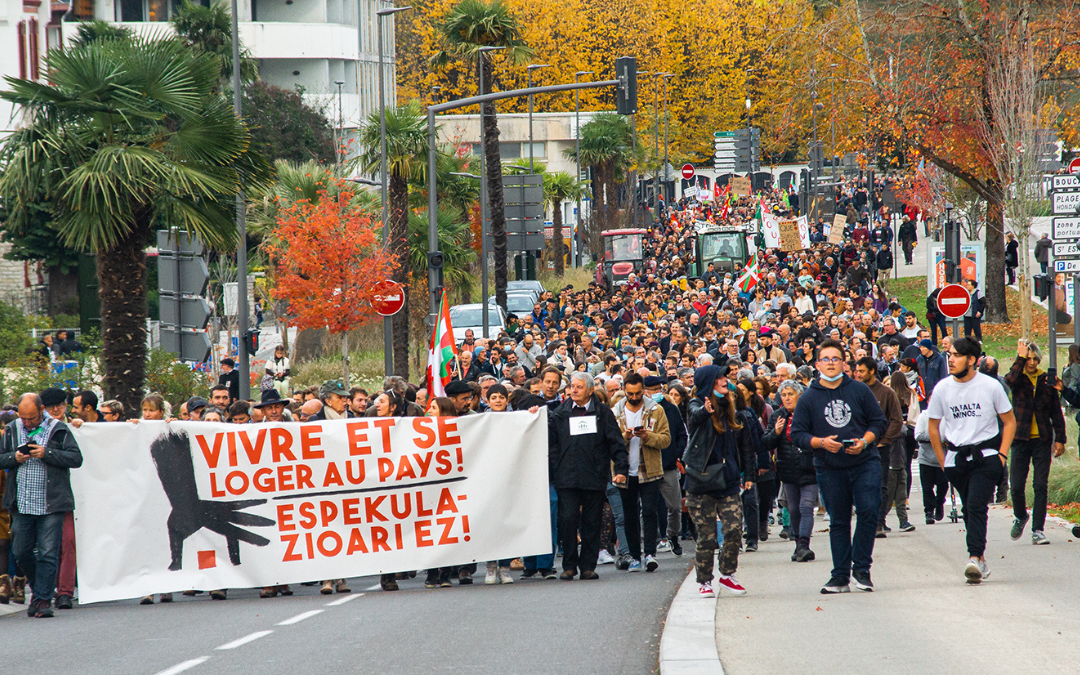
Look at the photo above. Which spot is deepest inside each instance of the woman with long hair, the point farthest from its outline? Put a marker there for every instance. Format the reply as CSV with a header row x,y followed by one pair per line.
x,y
389,404
719,460
440,406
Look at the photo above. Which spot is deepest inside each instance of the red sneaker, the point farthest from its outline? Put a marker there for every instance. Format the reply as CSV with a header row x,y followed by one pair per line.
x,y
731,583
705,590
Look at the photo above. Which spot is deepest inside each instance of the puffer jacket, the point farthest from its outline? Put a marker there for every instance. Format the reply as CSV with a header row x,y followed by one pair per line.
x,y
794,465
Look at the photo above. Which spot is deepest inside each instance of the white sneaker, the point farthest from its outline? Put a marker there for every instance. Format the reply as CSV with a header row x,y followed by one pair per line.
x,y
651,564
705,590
976,570
492,576
604,558
504,576
664,546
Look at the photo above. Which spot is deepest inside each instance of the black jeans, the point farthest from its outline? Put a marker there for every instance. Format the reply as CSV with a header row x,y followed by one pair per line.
x,y
934,487
938,322
766,490
973,325
976,484
580,509
1035,452
640,498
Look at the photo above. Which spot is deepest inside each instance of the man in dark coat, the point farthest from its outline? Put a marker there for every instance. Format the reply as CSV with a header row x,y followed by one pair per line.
x,y
585,448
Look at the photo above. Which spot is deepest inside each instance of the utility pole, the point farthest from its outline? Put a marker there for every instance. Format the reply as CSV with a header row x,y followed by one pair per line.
x,y
484,206
575,240
667,76
532,145
338,152
242,309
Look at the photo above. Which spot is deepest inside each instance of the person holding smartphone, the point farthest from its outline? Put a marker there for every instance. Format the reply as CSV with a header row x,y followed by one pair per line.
x,y
40,451
840,420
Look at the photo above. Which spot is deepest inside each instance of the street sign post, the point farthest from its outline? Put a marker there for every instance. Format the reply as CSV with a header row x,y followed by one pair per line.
x,y
387,297
182,280
1067,249
1062,229
688,171
1065,182
1068,266
1066,203
953,301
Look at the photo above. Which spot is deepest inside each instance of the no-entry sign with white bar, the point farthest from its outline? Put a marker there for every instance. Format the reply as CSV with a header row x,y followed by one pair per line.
x,y
1067,266
953,301
1067,249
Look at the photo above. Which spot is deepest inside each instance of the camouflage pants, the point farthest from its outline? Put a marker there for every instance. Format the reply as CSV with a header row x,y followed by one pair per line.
x,y
705,511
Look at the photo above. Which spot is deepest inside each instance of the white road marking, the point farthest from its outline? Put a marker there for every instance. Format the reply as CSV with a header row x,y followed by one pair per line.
x,y
373,588
181,667
342,601
300,617
246,639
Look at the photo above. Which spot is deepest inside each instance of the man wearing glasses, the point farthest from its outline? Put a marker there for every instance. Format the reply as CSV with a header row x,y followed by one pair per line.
x,y
964,414
840,419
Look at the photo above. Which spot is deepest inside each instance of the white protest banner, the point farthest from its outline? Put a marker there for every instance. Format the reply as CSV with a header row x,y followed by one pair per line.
x,y
770,226
804,231
165,507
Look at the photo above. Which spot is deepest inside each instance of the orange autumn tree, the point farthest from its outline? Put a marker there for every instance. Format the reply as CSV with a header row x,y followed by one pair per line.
x,y
326,255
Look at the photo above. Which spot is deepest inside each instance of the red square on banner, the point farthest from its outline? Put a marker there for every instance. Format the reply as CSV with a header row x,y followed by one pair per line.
x,y
207,559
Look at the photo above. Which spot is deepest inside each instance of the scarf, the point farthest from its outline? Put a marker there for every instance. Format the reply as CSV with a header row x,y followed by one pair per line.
x,y
40,435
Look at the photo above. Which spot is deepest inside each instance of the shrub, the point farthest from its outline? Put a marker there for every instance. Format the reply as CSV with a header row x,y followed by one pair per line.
x,y
14,334
174,380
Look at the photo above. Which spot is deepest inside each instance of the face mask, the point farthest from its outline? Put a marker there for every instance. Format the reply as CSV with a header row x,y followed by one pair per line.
x,y
592,333
834,378
658,396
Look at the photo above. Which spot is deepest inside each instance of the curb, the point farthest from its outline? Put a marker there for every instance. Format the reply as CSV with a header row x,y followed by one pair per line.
x,y
688,642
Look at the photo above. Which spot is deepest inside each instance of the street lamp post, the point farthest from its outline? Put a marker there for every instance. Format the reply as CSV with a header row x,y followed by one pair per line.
x,y
484,206
749,134
576,253
667,76
388,331
832,116
243,325
338,152
435,89
656,142
634,181
530,69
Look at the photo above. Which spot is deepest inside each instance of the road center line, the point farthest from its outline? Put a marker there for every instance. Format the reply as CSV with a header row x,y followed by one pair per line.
x,y
181,667
300,617
342,601
246,639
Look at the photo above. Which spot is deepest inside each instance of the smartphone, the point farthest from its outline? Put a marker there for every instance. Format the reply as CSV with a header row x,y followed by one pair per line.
x,y
848,442
638,430
1051,376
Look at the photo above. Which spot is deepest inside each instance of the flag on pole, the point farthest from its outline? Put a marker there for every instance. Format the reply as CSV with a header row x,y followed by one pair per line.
x,y
749,277
442,352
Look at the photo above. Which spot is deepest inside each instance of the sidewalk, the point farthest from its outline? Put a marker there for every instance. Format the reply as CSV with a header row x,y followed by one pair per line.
x,y
922,617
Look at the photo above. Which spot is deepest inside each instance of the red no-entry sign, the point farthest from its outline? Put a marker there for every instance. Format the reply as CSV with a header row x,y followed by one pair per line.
x,y
1074,166
688,171
953,301
387,297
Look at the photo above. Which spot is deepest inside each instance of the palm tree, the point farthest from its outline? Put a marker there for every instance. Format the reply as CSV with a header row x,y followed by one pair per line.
x,y
89,31
210,29
454,242
406,159
128,136
559,187
606,148
470,25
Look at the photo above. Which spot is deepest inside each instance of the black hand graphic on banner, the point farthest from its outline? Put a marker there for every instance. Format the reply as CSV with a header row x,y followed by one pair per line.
x,y
171,453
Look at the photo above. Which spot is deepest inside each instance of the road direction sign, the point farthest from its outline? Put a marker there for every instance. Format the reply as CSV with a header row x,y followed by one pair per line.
x,y
1066,249
1074,166
1065,182
1067,266
688,171
1066,203
387,297
953,301
1062,229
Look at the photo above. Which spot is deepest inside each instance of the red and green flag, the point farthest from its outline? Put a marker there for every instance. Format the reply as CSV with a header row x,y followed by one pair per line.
x,y
749,277
442,352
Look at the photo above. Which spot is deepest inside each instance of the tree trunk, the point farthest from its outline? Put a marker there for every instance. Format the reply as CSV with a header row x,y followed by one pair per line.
x,y
309,345
122,290
496,209
556,230
398,197
995,310
63,292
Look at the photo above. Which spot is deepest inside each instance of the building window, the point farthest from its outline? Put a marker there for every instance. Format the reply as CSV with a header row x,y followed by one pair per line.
x,y
149,10
539,150
510,150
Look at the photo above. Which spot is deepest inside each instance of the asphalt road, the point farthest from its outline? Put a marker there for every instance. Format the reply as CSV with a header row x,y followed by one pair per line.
x,y
608,626
921,618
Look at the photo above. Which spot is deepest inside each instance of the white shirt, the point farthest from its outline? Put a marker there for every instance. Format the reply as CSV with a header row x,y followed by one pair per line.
x,y
968,411
633,420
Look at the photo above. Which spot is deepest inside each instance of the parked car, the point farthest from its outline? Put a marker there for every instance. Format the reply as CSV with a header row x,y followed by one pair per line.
x,y
464,317
526,286
518,302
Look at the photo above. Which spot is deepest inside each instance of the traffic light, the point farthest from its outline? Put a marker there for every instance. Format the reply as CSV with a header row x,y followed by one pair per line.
x,y
251,341
626,91
1042,286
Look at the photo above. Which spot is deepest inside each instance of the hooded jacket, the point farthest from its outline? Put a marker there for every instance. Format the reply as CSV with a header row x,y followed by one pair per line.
x,y
698,420
846,412
657,437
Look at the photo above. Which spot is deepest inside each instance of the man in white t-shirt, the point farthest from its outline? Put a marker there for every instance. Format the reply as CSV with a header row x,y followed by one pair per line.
x,y
964,413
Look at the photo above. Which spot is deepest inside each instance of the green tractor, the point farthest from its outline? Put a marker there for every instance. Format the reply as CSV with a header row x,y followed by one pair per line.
x,y
724,246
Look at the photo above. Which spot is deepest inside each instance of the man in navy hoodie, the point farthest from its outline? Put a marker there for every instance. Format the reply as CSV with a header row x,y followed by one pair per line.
x,y
840,419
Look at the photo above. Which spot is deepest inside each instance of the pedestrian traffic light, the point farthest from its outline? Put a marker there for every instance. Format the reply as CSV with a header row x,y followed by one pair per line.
x,y
1042,286
626,90
251,341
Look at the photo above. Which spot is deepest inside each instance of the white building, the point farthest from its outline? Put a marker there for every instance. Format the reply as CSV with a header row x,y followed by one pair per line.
x,y
298,43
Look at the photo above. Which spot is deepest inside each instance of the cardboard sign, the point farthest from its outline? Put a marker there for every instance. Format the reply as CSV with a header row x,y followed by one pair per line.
x,y
740,186
789,235
836,234
166,507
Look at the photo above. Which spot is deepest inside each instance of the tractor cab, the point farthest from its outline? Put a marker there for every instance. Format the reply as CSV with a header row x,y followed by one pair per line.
x,y
724,246
623,255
